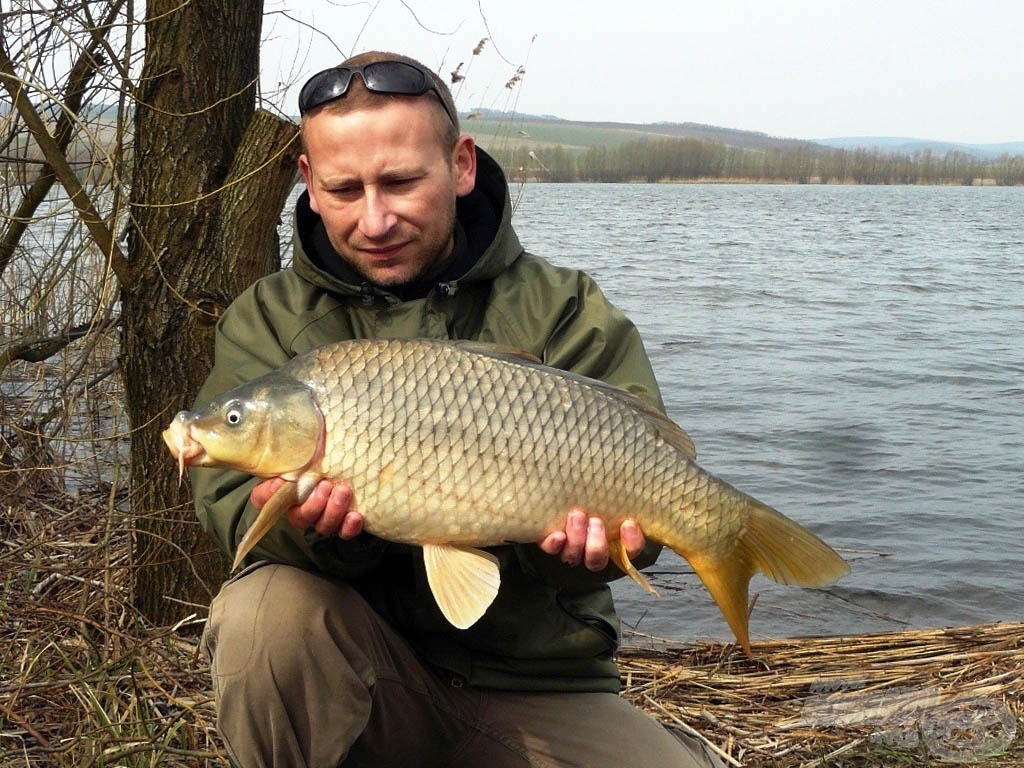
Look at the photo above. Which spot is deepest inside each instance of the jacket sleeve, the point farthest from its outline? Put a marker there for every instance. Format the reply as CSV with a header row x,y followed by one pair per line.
x,y
252,338
590,336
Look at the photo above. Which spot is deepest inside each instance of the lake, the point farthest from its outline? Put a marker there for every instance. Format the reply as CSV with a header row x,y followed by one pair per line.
x,y
853,356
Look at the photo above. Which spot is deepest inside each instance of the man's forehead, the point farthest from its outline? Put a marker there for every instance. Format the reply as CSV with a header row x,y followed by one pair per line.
x,y
402,113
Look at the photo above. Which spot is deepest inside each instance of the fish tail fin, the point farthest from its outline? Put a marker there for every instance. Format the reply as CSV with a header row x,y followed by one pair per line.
x,y
771,544
786,552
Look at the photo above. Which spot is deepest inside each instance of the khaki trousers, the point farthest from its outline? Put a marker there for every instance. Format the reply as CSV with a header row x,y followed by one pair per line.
x,y
305,673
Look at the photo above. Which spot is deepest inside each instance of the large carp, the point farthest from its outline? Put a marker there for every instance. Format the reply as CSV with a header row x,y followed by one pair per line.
x,y
458,445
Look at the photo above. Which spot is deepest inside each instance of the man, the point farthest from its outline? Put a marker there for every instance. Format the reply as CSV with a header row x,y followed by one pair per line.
x,y
330,650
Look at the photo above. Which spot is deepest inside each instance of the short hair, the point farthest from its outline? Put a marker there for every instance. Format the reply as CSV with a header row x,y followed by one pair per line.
x,y
359,97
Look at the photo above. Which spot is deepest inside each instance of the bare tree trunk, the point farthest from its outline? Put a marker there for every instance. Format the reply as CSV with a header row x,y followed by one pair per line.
x,y
209,181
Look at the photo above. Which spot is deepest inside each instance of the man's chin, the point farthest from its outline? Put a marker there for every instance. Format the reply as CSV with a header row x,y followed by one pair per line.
x,y
397,276
390,278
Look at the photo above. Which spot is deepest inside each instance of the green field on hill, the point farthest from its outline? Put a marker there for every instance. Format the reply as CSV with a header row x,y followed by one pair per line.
x,y
494,132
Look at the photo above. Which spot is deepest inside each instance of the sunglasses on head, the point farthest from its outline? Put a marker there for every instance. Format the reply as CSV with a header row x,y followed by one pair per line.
x,y
395,77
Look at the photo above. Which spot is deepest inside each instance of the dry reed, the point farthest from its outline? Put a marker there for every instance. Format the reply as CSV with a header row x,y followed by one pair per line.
x,y
86,682
911,698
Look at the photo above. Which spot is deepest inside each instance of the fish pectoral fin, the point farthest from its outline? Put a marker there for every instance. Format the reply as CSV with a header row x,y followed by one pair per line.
x,y
464,581
283,498
617,552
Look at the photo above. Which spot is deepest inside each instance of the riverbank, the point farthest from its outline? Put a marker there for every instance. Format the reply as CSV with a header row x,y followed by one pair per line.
x,y
86,682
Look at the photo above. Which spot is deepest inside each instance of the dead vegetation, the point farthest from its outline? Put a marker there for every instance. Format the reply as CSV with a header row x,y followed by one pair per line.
x,y
86,682
905,698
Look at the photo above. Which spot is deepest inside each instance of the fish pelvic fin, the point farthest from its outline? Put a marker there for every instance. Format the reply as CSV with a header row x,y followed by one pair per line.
x,y
619,556
464,581
771,544
284,497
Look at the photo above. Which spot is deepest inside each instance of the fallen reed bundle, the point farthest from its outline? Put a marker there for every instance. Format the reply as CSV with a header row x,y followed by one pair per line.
x,y
903,698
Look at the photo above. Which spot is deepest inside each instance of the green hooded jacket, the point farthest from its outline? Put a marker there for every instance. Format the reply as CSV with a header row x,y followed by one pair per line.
x,y
552,627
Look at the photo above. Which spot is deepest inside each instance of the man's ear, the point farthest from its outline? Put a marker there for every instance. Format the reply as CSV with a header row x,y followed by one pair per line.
x,y
307,176
464,163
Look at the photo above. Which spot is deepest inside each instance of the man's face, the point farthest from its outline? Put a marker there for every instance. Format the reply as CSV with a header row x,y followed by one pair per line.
x,y
385,187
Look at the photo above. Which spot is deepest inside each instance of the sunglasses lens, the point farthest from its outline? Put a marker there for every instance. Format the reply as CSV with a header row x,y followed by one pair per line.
x,y
324,87
395,77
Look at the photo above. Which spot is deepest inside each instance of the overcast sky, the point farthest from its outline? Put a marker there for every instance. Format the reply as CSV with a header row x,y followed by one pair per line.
x,y
950,70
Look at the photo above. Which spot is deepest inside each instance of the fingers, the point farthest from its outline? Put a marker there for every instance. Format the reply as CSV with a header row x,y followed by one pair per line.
x,y
632,537
553,542
351,526
328,511
595,551
263,490
575,537
585,540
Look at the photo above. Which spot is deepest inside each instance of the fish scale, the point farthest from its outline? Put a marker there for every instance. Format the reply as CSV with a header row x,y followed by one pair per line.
x,y
455,446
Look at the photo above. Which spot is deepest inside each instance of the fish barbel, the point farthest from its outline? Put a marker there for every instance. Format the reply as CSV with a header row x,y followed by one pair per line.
x,y
454,446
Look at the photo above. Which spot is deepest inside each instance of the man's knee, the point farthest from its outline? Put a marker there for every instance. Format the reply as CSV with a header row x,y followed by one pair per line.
x,y
283,663
278,615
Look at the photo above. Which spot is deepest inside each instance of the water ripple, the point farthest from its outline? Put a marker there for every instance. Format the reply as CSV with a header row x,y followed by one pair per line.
x,y
853,355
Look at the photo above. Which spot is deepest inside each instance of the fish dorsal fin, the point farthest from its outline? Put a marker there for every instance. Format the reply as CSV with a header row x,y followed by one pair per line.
x,y
672,433
464,581
497,351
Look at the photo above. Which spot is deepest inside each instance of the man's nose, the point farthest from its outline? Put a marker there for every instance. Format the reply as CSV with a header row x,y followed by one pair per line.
x,y
378,218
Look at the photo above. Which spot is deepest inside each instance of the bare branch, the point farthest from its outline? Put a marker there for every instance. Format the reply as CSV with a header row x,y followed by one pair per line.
x,y
36,349
58,162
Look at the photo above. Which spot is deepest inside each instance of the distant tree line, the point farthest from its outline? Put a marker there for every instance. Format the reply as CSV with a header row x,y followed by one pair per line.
x,y
686,159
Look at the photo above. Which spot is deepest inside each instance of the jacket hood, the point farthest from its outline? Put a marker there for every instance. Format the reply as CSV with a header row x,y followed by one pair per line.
x,y
485,243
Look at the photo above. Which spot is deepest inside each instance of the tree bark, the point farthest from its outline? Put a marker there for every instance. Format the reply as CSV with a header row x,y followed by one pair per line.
x,y
210,179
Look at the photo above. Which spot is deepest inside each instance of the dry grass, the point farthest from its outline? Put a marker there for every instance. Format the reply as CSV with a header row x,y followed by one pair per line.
x,y
881,699
86,682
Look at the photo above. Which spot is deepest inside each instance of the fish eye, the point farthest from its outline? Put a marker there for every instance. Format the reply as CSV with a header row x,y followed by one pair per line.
x,y
233,416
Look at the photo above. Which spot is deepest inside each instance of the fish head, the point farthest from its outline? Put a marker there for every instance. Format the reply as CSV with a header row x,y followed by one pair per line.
x,y
269,427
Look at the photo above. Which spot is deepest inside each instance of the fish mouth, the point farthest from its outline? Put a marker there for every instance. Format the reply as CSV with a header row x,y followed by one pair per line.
x,y
188,451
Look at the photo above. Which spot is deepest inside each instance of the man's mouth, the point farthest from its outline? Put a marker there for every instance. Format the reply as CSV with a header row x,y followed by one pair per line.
x,y
383,253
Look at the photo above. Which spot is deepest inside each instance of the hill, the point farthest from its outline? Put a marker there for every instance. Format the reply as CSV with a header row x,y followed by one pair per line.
x,y
546,148
909,146
544,130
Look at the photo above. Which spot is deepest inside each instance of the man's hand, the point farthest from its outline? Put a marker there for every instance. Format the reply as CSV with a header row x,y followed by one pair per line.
x,y
584,540
327,510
